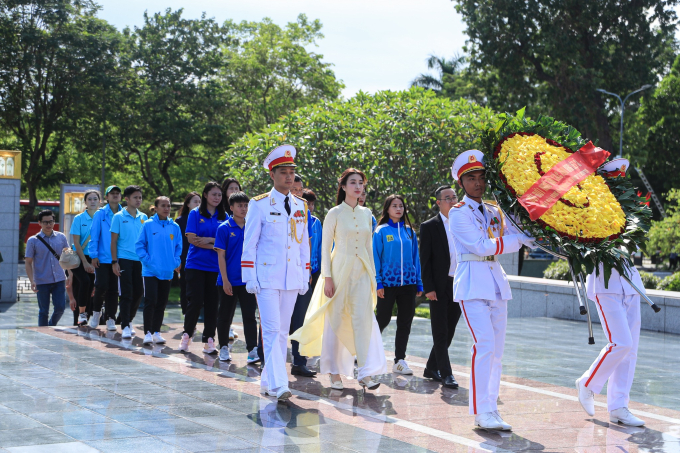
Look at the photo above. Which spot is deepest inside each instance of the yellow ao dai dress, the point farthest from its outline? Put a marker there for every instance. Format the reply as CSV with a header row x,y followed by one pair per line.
x,y
344,326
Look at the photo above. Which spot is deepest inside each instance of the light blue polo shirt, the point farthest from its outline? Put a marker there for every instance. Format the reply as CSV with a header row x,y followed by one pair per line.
x,y
82,223
127,227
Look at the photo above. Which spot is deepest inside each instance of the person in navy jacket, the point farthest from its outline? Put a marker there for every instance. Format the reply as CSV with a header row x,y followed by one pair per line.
x,y
159,248
397,272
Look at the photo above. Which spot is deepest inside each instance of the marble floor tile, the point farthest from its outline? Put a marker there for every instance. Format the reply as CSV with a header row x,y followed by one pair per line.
x,y
39,435
66,447
170,427
99,431
78,417
150,444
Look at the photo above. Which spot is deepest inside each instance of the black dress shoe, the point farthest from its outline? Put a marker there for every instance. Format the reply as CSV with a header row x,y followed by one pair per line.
x,y
302,370
434,375
450,382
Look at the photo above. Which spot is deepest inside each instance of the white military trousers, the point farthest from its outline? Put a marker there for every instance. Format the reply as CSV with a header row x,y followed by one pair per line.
x,y
487,321
276,308
620,319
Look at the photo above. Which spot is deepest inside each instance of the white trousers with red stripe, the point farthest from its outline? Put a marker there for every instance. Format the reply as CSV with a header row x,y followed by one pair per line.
x,y
486,321
620,318
276,309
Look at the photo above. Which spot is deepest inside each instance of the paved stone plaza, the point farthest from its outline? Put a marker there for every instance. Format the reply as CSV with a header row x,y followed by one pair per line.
x,y
72,390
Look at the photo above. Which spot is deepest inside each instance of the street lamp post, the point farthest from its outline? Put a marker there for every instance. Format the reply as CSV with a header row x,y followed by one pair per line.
x,y
623,107
656,200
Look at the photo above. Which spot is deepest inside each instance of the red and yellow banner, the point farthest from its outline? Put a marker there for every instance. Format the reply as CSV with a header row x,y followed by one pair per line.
x,y
545,192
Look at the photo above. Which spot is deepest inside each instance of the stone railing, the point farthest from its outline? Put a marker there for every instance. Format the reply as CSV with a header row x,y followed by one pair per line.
x,y
540,297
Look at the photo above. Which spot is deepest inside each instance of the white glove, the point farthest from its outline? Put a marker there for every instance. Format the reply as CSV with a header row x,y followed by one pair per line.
x,y
304,289
529,241
252,287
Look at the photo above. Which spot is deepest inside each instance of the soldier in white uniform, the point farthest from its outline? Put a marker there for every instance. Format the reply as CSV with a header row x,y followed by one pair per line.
x,y
618,305
275,264
480,285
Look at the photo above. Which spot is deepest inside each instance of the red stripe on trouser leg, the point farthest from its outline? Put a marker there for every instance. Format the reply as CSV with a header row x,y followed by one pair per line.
x,y
598,365
606,324
473,384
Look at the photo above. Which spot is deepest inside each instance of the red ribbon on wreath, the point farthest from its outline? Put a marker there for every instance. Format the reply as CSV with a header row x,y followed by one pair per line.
x,y
545,192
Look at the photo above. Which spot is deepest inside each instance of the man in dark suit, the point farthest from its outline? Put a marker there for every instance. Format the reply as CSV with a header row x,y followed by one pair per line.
x,y
438,263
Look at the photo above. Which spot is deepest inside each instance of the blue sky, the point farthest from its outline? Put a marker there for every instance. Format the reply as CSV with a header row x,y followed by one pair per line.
x,y
374,44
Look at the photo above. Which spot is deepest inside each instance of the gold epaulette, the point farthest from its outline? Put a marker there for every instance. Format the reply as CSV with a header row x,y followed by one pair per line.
x,y
491,203
303,200
261,197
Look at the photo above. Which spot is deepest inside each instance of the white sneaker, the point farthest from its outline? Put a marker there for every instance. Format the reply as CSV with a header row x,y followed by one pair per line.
x,y
488,420
224,354
209,347
132,329
158,339
148,338
253,357
111,324
505,426
82,319
126,333
585,396
401,367
623,415
232,334
184,343
94,320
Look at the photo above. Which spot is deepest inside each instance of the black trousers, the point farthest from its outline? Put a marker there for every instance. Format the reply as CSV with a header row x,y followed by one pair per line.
x,y
131,285
298,318
183,288
226,315
444,315
85,284
405,298
105,287
156,292
201,293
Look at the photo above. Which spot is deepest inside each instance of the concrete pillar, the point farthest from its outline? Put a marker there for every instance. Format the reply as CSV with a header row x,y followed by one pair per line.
x,y
10,191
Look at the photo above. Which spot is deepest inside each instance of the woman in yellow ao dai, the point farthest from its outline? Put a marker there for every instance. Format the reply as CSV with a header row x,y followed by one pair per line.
x,y
340,322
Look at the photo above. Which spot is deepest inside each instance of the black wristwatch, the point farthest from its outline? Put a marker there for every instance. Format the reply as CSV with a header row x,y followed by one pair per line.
x,y
114,261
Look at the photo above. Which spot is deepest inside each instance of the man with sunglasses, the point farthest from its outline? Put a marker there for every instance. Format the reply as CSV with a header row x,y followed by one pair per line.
x,y
42,267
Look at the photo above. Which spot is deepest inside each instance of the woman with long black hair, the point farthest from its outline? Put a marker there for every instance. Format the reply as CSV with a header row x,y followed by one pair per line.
x,y
397,272
191,201
229,186
340,323
202,267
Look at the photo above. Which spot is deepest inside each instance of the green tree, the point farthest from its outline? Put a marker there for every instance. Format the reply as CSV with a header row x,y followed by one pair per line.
x,y
659,131
555,54
664,234
454,80
269,72
53,55
171,101
404,141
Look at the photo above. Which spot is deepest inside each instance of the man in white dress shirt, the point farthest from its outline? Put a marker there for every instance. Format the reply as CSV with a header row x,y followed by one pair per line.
x,y
480,285
275,264
618,305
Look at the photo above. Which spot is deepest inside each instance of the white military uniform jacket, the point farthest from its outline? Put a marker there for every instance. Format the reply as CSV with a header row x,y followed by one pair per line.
x,y
616,284
470,229
276,245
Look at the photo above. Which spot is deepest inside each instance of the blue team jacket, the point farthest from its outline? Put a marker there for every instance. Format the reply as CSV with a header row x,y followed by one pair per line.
x,y
159,247
100,235
395,251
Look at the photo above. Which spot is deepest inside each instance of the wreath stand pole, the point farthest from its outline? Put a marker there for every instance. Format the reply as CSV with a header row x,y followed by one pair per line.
x,y
583,303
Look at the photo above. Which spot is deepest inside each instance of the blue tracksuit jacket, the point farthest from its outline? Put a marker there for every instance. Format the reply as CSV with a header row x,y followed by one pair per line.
x,y
395,251
100,235
159,247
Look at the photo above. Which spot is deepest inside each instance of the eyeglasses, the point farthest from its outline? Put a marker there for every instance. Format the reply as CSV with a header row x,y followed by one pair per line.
x,y
47,222
448,199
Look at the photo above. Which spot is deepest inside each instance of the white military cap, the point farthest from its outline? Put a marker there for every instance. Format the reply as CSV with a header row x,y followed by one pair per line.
x,y
282,156
615,168
467,161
